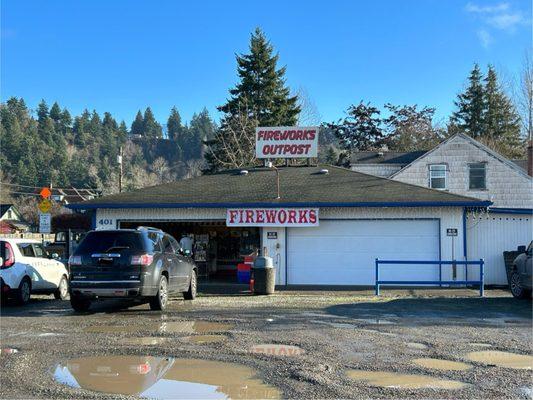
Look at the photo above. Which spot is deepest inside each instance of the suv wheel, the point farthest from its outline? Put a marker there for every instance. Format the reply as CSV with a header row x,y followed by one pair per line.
x,y
80,304
191,293
61,292
516,286
160,300
24,291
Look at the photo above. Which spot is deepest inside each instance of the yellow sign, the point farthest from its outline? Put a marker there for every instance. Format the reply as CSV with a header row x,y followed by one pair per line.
x,y
45,205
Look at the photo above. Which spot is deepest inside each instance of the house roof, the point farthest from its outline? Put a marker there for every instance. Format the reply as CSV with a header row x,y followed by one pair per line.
x,y
4,208
521,164
385,157
299,186
512,164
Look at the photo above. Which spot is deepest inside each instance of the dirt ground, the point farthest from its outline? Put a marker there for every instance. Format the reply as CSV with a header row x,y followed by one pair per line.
x,y
335,332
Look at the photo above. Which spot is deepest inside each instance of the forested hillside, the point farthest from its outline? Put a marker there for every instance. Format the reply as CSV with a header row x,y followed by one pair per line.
x,y
50,146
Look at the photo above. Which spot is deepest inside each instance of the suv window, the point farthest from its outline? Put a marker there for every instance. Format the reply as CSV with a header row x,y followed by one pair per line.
x,y
167,245
155,243
110,241
175,245
39,250
26,249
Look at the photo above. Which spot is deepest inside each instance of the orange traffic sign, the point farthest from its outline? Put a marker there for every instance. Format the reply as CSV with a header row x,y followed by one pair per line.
x,y
45,193
45,205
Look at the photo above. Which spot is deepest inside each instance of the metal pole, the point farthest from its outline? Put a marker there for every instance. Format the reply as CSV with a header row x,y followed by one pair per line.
x,y
120,171
481,277
377,277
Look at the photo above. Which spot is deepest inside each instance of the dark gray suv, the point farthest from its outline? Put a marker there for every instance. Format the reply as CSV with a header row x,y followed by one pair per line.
x,y
521,273
142,263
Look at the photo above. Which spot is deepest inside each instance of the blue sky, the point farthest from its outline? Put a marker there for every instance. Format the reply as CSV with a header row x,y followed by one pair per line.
x,y
124,55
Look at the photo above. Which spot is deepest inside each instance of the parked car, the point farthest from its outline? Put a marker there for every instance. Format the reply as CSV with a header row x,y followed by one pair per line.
x,y
142,264
28,268
521,275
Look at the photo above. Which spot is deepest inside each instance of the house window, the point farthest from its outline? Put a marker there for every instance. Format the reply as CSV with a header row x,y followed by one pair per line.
x,y
477,176
437,176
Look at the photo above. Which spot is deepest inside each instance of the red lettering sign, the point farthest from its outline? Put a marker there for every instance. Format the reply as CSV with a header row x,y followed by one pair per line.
x,y
272,217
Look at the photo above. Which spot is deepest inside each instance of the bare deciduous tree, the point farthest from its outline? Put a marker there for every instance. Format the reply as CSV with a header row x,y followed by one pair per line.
x,y
525,97
309,114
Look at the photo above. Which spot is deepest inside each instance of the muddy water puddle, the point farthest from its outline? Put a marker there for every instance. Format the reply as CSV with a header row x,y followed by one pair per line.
x,y
403,381
502,359
416,346
188,327
164,378
283,350
204,339
443,365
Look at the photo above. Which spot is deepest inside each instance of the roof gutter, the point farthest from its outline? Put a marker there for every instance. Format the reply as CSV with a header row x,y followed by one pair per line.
x,y
93,206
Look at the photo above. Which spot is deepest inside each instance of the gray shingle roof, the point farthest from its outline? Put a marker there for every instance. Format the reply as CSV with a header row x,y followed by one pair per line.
x,y
385,157
300,186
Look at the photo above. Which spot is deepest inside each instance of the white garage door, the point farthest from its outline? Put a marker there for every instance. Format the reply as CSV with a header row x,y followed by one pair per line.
x,y
343,252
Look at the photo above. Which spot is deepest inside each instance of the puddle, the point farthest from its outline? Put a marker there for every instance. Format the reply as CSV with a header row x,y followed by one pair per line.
x,y
480,345
502,359
201,339
417,346
145,341
443,365
374,321
164,327
277,349
164,378
403,381
50,334
6,351
378,332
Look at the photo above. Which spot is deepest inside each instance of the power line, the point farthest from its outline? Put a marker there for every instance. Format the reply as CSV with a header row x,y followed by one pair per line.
x,y
39,187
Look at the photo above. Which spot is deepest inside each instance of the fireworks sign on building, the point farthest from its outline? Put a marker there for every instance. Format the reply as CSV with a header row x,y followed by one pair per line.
x,y
286,142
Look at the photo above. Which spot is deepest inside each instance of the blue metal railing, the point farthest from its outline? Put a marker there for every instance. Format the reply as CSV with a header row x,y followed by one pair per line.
x,y
440,282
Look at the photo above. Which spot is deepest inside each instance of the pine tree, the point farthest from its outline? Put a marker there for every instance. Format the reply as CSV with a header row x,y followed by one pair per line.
x,y
501,121
137,126
469,116
152,128
261,98
42,111
55,112
262,89
174,127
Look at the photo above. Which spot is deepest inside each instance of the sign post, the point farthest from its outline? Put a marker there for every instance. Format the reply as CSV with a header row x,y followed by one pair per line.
x,y
45,224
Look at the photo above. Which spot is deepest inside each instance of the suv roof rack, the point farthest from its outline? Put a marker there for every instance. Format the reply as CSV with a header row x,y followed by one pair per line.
x,y
148,228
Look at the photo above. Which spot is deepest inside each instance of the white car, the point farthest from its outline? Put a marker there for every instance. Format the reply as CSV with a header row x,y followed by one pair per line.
x,y
27,269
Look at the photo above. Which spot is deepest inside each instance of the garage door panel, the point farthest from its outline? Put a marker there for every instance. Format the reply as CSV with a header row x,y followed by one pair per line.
x,y
344,252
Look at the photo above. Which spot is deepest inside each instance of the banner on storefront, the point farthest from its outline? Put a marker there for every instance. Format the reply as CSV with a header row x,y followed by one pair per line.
x,y
286,142
272,217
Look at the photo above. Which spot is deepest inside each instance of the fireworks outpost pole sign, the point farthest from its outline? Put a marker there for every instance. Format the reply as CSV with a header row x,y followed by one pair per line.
x,y
286,142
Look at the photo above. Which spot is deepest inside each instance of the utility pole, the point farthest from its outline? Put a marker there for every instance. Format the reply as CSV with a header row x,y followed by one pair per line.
x,y
119,161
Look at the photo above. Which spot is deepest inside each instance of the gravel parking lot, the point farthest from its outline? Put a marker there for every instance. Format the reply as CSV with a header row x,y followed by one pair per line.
x,y
292,345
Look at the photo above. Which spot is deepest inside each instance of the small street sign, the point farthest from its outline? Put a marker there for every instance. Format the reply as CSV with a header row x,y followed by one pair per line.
x,y
451,232
272,235
45,193
45,205
45,223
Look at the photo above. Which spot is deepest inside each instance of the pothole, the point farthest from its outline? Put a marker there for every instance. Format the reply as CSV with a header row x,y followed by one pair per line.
x,y
277,349
203,339
160,378
502,359
480,345
164,327
416,346
403,381
443,365
145,341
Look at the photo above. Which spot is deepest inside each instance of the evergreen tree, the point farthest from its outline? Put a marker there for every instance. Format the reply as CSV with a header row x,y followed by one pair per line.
x,y
174,127
261,98
261,90
152,128
501,121
469,116
55,112
137,126
202,129
42,111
